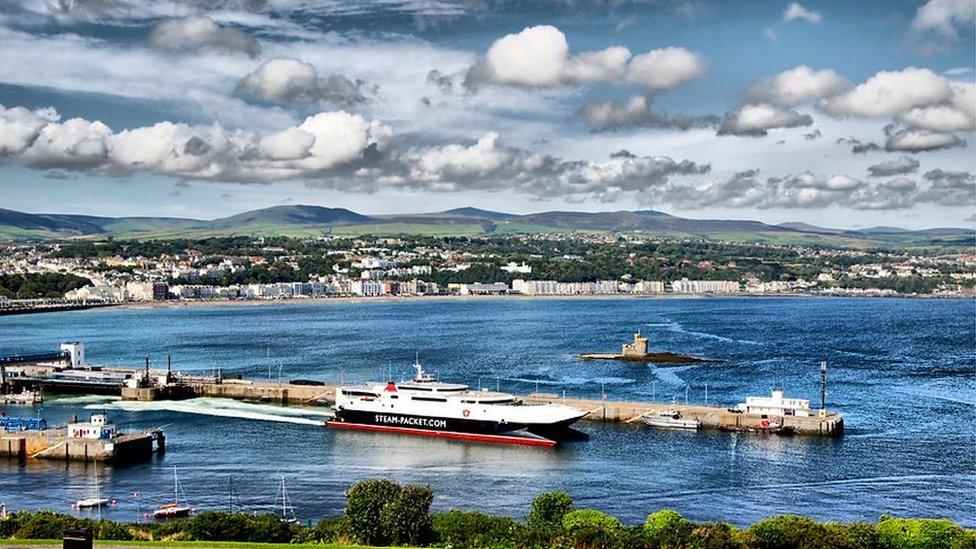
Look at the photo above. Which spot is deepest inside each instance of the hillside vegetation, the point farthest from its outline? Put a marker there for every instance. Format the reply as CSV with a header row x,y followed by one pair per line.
x,y
381,512
313,221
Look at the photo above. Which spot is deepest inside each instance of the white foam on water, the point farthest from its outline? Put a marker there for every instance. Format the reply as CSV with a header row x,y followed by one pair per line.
x,y
670,375
222,407
677,327
934,394
82,399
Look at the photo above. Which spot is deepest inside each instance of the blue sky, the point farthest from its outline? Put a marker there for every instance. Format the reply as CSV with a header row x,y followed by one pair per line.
x,y
835,113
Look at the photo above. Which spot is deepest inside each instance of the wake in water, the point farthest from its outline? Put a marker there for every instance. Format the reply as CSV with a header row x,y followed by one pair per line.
x,y
670,375
676,327
222,407
82,399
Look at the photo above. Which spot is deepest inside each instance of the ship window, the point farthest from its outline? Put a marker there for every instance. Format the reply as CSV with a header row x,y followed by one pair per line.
x,y
359,393
394,396
430,399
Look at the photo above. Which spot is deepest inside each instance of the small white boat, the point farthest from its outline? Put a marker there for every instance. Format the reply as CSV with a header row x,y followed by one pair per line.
x,y
670,419
91,503
96,502
174,509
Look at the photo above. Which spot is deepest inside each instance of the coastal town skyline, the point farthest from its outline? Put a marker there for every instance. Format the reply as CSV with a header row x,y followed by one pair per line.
x,y
819,112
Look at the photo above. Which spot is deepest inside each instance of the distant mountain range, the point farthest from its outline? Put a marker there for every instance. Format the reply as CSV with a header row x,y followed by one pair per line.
x,y
301,220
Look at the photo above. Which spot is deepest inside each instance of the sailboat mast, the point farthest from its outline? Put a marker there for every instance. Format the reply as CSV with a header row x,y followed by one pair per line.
x,y
98,494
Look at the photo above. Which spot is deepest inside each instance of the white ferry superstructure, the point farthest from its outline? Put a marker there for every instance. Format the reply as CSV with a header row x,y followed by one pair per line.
x,y
428,407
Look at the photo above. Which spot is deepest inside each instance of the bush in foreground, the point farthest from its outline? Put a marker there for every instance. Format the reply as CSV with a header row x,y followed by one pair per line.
x,y
470,529
383,512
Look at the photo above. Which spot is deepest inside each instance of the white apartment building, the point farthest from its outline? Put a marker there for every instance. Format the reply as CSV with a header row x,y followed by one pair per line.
x,y
366,288
551,287
645,287
685,286
496,288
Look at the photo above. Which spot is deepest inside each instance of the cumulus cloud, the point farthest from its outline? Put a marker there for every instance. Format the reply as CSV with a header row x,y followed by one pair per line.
x,y
919,140
899,166
957,113
194,33
334,149
809,190
889,93
798,85
950,188
944,16
282,80
489,164
637,112
665,68
539,57
927,107
757,120
796,11
323,142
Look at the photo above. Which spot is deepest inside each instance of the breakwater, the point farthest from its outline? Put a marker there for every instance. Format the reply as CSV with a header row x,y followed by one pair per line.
x,y
600,410
55,444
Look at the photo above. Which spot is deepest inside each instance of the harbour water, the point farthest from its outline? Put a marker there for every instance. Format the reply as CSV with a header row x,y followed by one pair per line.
x,y
903,372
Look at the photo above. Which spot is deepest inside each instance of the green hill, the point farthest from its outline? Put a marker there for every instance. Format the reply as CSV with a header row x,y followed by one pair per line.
x,y
309,221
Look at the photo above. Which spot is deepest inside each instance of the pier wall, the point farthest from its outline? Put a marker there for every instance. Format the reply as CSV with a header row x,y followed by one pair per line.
x,y
831,424
55,445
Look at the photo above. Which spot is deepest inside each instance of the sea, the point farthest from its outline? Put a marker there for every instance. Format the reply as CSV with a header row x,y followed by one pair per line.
x,y
902,371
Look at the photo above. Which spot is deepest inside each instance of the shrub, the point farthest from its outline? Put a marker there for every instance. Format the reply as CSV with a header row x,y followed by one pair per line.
x,y
406,518
785,532
919,533
470,529
364,504
216,526
269,528
591,528
221,526
667,528
10,525
715,535
966,541
47,525
545,520
328,530
854,535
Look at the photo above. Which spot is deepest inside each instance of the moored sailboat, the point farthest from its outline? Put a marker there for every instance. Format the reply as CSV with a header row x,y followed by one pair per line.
x,y
174,509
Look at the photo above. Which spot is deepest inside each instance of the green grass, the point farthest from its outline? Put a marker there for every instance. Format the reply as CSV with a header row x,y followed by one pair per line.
x,y
417,229
510,227
202,544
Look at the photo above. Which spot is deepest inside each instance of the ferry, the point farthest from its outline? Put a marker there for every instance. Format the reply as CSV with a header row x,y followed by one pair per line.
x,y
427,407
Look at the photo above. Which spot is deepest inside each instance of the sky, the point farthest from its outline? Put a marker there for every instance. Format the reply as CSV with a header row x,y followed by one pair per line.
x,y
835,113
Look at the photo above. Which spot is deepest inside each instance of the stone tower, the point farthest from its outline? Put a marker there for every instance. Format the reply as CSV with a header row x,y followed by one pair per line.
x,y
637,348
